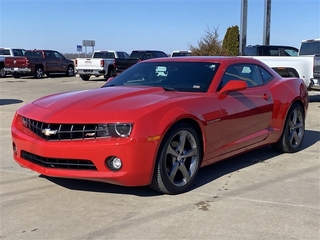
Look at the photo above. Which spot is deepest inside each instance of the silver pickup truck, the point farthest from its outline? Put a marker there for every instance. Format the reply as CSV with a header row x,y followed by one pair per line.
x,y
8,52
100,64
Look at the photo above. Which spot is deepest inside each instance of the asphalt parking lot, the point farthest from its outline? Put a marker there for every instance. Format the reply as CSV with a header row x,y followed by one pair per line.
x,y
257,195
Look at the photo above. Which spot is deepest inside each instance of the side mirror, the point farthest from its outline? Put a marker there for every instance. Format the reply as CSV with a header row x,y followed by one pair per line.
x,y
233,86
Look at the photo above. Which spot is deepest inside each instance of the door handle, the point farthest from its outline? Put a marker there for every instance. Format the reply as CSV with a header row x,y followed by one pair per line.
x,y
265,96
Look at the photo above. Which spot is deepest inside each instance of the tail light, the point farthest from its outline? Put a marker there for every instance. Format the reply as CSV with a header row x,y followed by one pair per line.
x,y
76,62
101,63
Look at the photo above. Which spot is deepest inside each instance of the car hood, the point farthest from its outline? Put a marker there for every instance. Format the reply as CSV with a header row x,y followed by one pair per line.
x,y
112,103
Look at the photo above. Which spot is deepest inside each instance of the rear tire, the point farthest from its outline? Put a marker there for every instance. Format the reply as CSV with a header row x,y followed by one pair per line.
x,y
38,73
85,77
293,132
109,74
2,72
178,160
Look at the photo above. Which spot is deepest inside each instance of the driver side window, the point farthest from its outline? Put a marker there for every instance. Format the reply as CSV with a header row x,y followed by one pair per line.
x,y
250,73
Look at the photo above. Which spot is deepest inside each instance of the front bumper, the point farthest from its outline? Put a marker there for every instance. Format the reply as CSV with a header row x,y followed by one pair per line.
x,y
137,155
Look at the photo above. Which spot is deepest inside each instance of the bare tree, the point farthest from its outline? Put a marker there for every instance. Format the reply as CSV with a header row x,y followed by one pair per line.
x,y
208,45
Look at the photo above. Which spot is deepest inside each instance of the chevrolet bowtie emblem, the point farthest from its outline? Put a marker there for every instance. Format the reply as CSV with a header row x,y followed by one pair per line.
x,y
48,132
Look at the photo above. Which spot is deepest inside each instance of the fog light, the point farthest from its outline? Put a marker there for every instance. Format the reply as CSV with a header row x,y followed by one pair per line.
x,y
14,147
114,163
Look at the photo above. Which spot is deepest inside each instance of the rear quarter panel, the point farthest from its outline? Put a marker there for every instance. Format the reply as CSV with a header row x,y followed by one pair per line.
x,y
285,92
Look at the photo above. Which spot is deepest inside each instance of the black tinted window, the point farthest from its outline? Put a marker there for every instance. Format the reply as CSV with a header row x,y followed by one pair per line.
x,y
250,51
123,55
310,48
33,54
103,55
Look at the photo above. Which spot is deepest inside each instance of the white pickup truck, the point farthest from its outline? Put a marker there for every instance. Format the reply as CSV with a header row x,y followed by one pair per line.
x,y
305,66
8,52
100,64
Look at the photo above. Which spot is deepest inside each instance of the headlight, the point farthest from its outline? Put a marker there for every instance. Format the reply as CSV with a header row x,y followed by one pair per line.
x,y
25,122
114,130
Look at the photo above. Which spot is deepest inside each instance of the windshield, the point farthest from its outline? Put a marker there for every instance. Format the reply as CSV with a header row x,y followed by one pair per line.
x,y
310,48
175,76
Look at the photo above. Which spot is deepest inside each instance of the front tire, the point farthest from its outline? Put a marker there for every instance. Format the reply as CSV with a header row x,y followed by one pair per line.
x,y
293,132
178,160
70,71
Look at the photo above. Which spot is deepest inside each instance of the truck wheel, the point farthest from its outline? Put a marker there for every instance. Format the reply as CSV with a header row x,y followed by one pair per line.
x,y
85,77
16,75
38,73
2,72
70,71
109,74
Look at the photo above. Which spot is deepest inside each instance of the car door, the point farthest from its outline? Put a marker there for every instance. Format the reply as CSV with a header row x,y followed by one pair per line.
x,y
246,115
61,64
51,61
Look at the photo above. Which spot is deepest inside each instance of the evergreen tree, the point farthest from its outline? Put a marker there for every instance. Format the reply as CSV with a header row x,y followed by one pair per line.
x,y
230,44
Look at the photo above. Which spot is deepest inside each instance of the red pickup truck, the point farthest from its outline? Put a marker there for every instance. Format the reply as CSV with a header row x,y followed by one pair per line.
x,y
36,63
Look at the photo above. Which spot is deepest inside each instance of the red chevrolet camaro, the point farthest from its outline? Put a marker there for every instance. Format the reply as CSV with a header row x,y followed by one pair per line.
x,y
159,121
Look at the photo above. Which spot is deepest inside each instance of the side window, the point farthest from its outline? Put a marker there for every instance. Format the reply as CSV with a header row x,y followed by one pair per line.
x,y
57,55
290,52
252,74
265,75
249,73
231,73
148,55
50,55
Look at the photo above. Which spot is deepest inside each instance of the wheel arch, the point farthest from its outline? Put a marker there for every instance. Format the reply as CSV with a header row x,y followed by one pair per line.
x,y
39,65
285,114
193,123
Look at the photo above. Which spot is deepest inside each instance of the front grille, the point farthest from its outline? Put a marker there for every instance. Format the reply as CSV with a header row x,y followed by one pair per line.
x,y
51,132
62,163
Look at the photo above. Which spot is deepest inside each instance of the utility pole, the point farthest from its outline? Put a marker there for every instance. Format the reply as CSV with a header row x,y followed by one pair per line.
x,y
243,26
266,25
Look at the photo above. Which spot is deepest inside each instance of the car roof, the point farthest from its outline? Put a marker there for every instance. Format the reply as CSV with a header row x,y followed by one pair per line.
x,y
204,59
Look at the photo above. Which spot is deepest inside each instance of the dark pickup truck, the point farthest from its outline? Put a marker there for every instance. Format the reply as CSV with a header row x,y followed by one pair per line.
x,y
121,64
36,63
270,50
